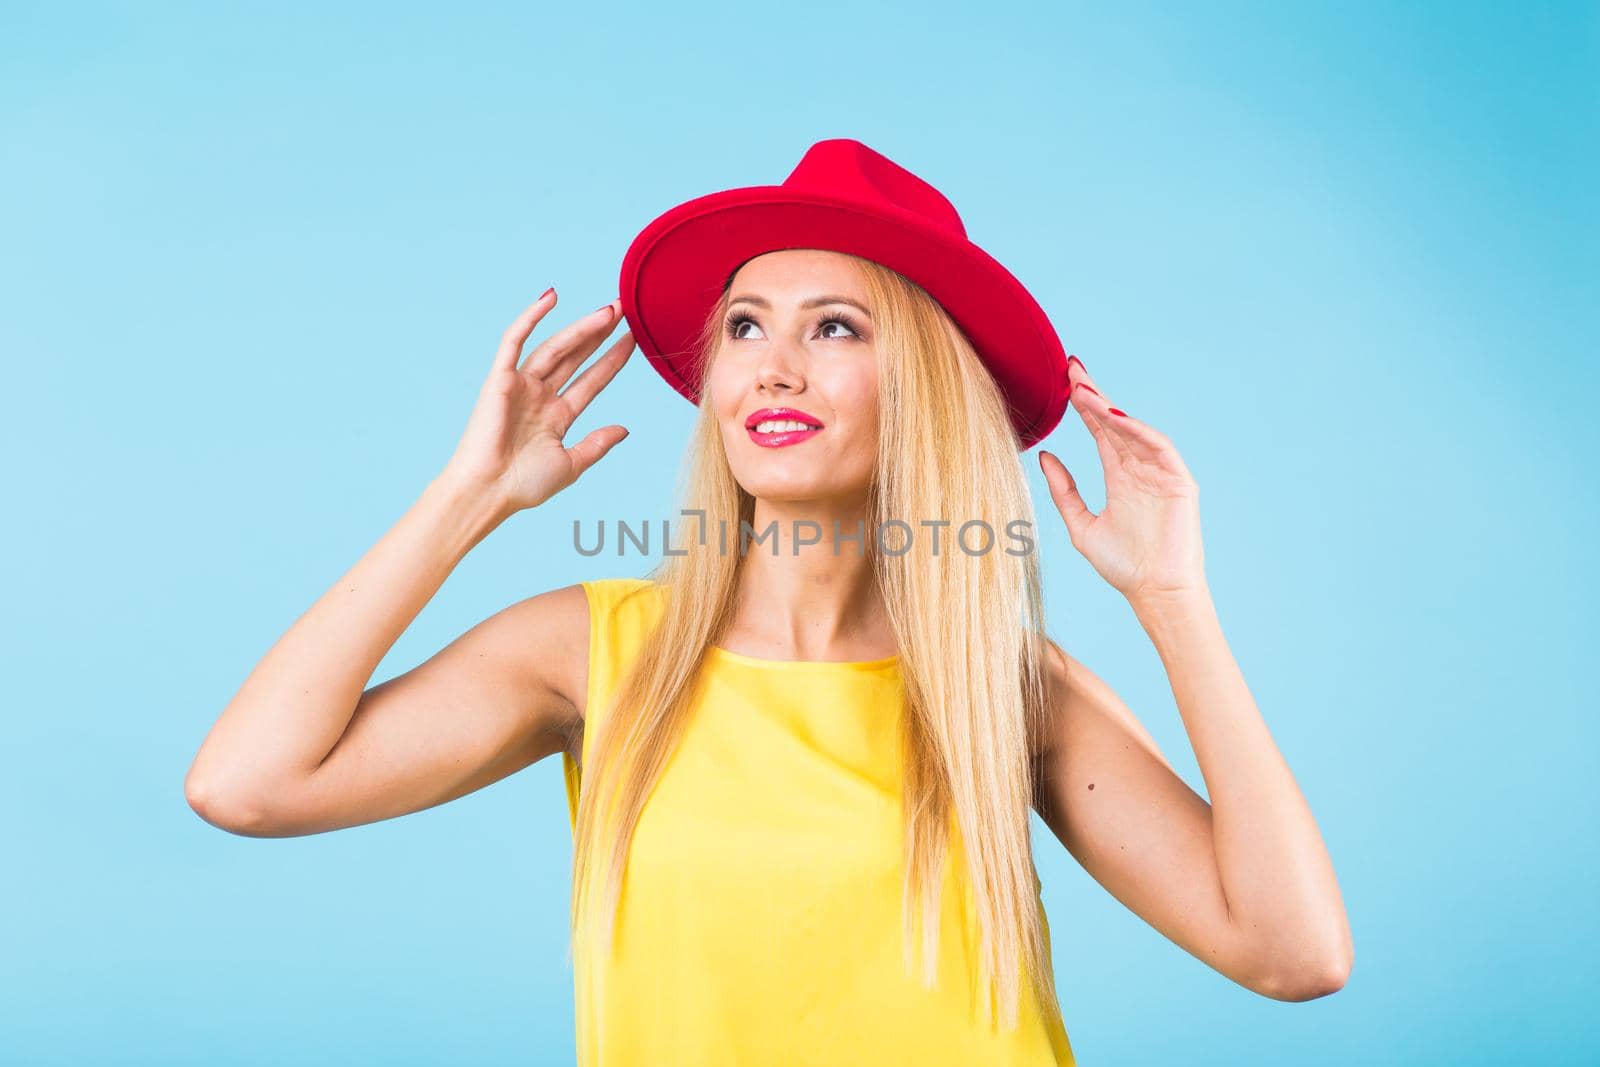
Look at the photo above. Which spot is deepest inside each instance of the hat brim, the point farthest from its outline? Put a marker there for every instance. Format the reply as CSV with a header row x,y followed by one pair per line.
x,y
674,271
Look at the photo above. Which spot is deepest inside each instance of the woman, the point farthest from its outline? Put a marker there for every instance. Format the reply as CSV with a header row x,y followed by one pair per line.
x,y
802,755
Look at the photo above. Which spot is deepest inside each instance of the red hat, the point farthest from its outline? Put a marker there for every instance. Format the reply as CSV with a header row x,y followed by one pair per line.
x,y
844,197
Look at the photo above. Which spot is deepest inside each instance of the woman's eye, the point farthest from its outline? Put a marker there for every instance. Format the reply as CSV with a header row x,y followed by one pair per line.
x,y
737,323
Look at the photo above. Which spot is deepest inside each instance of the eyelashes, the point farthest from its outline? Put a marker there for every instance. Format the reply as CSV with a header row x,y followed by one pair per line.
x,y
736,319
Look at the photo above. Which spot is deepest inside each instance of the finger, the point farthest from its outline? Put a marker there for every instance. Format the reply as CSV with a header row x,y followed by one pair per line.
x,y
1130,437
1078,374
1064,491
1143,440
1078,379
555,376
598,375
1093,409
587,452
1094,419
510,349
582,336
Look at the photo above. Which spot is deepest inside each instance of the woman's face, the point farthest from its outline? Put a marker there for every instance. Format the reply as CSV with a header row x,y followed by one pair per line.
x,y
797,346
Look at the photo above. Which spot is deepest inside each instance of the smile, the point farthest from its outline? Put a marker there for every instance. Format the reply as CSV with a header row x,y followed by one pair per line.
x,y
780,427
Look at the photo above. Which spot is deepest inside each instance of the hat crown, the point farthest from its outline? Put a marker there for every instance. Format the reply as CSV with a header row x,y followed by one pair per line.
x,y
846,168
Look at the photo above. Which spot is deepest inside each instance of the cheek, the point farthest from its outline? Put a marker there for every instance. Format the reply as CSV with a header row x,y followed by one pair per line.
x,y
854,391
724,391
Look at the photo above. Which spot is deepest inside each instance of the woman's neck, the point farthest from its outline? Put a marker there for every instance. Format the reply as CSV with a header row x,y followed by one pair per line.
x,y
805,595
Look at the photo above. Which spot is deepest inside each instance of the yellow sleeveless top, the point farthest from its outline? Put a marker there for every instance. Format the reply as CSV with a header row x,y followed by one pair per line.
x,y
760,918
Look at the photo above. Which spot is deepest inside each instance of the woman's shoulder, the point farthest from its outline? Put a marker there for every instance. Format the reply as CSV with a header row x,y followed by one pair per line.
x,y
558,638
625,602
622,612
612,590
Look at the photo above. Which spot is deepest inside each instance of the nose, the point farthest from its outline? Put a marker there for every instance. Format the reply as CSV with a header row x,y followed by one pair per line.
x,y
779,371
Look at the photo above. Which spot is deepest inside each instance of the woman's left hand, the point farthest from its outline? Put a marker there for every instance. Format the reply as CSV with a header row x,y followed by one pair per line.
x,y
1146,540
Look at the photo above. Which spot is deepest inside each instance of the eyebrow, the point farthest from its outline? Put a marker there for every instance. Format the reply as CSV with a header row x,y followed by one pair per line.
x,y
814,302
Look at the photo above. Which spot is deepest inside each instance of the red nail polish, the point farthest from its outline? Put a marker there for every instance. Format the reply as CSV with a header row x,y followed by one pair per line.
x,y
1092,389
603,307
1118,411
546,293
1079,362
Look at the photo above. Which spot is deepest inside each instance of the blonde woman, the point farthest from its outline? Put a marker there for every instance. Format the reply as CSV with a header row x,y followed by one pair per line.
x,y
801,755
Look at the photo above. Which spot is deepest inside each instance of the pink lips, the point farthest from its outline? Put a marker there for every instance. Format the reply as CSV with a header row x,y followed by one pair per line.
x,y
785,437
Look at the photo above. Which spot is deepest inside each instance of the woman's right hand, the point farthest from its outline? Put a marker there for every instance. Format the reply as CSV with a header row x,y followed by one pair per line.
x,y
512,444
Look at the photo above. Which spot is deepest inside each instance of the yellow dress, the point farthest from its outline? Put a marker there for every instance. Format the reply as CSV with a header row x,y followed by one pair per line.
x,y
760,919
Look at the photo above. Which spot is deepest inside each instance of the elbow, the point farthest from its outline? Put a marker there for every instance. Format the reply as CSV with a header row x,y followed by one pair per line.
x,y
1315,977
223,808
1311,983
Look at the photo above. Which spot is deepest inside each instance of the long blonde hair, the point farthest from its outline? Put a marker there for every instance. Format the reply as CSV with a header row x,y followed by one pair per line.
x,y
968,627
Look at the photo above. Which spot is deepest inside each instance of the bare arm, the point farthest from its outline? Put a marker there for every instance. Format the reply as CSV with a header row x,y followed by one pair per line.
x,y
301,748
1245,882
1245,887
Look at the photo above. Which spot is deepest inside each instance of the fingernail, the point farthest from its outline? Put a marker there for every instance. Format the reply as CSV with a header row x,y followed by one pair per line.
x,y
1116,411
1092,389
546,293
1079,362
605,307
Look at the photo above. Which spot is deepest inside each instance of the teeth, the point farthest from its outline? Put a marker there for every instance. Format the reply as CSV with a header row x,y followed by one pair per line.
x,y
781,425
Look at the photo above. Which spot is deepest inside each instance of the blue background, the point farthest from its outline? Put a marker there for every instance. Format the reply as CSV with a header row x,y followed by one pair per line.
x,y
255,263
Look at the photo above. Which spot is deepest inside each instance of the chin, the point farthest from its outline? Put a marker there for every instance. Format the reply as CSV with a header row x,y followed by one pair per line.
x,y
787,490
801,490
792,476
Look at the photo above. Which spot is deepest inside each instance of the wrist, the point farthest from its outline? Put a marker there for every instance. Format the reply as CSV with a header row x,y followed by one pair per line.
x,y
1169,615
481,504
1176,602
1184,595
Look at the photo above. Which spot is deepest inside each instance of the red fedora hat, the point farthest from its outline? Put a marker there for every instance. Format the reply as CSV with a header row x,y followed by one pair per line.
x,y
845,197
